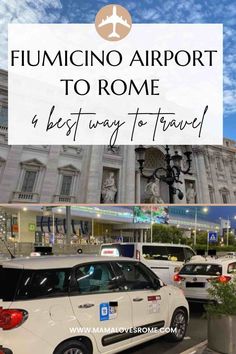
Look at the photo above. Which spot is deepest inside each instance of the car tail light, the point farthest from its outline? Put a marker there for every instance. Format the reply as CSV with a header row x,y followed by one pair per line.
x,y
224,278
138,255
12,318
178,277
221,279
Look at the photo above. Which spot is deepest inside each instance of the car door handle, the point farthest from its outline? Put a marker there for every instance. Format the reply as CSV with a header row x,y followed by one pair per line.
x,y
85,306
138,299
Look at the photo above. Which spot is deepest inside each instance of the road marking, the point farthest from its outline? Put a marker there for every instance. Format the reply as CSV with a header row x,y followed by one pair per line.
x,y
194,349
186,338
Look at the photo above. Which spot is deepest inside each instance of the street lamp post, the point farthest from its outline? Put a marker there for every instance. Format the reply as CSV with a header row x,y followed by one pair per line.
x,y
227,242
169,174
151,224
228,227
53,224
68,225
195,228
205,210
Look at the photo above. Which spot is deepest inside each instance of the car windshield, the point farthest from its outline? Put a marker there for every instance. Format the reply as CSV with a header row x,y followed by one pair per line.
x,y
202,269
163,253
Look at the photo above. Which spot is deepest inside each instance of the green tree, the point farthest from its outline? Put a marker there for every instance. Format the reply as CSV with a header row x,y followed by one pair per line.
x,y
223,296
167,234
232,241
202,238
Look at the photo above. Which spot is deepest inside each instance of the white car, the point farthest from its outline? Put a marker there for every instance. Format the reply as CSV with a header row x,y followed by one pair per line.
x,y
164,259
196,276
85,305
232,254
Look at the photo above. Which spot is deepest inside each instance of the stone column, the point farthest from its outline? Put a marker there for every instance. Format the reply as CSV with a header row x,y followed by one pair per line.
x,y
51,175
141,236
81,187
230,185
94,177
202,182
11,173
68,225
129,170
214,179
25,218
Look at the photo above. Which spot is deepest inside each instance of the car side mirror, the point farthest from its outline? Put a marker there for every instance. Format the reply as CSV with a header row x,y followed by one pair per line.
x,y
156,284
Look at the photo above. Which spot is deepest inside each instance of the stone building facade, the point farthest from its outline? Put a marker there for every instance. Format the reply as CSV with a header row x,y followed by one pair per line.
x,y
95,174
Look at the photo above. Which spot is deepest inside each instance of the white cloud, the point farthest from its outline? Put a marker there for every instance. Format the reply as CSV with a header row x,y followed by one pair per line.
x,y
25,11
230,101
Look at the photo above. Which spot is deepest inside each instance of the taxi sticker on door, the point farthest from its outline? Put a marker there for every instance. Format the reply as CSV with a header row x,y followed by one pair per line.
x,y
104,311
154,304
108,310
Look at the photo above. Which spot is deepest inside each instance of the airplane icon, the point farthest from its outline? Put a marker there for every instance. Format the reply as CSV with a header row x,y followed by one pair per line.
x,y
114,19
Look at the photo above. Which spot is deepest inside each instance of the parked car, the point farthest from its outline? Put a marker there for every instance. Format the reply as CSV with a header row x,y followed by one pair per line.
x,y
232,254
165,259
196,276
87,304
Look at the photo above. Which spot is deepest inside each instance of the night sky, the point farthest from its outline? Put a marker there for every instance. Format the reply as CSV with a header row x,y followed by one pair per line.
x,y
213,214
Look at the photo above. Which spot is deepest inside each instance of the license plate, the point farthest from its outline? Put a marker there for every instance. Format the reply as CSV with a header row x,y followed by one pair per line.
x,y
195,285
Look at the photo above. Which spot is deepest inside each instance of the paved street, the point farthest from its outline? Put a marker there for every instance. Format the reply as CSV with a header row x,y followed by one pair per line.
x,y
196,333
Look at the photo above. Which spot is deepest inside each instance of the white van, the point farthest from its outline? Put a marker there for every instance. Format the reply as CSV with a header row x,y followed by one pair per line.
x,y
165,259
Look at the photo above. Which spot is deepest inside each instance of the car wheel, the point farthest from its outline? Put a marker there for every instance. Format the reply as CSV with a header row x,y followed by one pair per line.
x,y
178,326
72,347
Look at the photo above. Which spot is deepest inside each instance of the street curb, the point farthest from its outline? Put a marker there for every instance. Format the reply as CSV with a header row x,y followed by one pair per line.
x,y
194,349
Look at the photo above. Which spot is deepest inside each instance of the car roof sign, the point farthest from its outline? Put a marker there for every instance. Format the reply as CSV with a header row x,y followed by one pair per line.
x,y
113,251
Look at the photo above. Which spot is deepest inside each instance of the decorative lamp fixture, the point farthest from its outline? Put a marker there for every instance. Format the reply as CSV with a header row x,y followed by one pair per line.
x,y
170,174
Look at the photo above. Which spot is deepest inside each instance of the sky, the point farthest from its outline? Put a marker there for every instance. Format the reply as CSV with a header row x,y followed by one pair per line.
x,y
142,11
